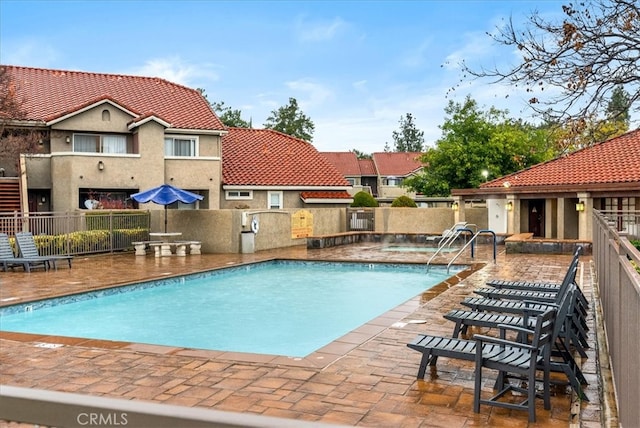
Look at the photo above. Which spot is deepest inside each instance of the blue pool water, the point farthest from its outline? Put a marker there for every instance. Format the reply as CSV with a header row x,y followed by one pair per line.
x,y
282,307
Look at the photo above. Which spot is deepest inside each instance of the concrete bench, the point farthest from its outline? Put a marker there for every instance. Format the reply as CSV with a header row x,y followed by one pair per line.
x,y
194,246
163,249
141,246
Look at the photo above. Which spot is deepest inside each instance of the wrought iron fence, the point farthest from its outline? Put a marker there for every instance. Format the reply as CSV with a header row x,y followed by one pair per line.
x,y
75,233
616,263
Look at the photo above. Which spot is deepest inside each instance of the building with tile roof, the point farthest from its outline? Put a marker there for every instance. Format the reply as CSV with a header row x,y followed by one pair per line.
x,y
107,136
263,168
554,199
382,175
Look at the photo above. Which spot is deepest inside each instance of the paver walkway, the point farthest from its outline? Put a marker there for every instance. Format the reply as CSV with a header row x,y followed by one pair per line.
x,y
366,379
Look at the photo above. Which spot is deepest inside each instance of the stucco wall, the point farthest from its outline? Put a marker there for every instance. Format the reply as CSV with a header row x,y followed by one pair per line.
x,y
220,230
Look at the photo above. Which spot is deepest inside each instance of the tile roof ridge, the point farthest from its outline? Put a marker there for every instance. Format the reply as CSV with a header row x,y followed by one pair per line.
x,y
96,73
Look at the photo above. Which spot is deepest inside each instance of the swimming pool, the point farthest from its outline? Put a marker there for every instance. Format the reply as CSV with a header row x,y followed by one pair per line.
x,y
280,307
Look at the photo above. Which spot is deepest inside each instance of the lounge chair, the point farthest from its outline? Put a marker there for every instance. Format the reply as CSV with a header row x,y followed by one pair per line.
x,y
534,286
567,334
544,294
532,356
27,249
9,260
511,305
523,359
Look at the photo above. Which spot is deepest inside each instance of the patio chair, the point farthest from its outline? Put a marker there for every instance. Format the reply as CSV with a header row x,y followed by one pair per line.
x,y
27,249
496,300
521,359
433,347
9,260
565,335
542,294
535,286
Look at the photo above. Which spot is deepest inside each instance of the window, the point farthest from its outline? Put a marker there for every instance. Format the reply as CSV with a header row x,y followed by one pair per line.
x,y
96,143
274,200
239,194
181,146
93,199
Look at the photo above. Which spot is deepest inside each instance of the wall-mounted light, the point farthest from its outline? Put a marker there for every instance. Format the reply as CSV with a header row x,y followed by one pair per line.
x,y
454,206
509,206
68,139
100,165
43,199
580,206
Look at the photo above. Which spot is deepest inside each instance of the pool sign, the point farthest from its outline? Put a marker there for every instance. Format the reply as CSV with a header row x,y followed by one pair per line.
x,y
301,224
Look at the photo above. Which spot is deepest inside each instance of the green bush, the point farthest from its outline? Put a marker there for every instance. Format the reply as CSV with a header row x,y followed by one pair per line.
x,y
636,244
404,202
364,199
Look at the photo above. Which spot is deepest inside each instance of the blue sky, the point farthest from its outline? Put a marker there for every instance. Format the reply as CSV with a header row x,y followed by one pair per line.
x,y
355,67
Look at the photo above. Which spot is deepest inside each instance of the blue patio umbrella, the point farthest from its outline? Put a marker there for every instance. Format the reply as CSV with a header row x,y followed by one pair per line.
x,y
166,195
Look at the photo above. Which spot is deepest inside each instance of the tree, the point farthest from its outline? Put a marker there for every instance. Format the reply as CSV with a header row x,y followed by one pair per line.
x,y
408,138
229,116
13,139
404,202
361,155
474,140
364,199
577,63
292,121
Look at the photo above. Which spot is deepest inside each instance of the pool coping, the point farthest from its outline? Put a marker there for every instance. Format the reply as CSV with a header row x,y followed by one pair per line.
x,y
319,359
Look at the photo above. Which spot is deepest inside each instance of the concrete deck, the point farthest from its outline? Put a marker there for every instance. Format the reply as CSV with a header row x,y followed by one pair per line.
x,y
367,378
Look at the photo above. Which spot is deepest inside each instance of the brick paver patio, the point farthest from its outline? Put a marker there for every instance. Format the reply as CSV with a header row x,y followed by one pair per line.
x,y
367,378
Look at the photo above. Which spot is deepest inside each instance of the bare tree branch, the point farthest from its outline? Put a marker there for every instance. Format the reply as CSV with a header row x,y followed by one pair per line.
x,y
595,49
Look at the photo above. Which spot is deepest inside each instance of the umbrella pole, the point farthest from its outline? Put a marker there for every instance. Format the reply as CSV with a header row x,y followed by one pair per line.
x,y
165,219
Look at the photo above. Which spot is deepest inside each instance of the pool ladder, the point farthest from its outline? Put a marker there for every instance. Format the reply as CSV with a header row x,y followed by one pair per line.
x,y
470,243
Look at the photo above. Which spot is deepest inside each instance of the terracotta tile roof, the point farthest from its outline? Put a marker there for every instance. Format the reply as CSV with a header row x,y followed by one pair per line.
x,y
613,161
367,167
50,94
345,162
270,158
399,164
326,195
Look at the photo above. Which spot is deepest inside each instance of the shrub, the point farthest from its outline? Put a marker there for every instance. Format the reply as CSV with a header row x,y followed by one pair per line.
x,y
404,202
364,199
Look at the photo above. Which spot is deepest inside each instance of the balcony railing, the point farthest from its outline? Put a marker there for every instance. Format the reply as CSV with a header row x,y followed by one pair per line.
x,y
617,262
74,233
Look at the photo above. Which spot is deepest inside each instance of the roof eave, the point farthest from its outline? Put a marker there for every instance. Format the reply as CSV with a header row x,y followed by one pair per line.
x,y
89,107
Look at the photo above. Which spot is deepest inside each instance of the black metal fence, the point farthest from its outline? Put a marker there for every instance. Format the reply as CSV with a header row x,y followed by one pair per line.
x,y
80,232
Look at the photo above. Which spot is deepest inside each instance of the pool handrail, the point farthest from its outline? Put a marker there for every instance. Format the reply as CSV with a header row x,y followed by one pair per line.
x,y
449,241
495,248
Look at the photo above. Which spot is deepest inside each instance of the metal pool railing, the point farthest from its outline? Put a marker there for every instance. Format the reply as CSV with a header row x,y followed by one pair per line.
x,y
74,233
618,284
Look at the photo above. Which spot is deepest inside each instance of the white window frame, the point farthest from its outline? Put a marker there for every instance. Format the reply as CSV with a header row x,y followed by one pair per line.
x,y
235,195
194,149
101,142
280,195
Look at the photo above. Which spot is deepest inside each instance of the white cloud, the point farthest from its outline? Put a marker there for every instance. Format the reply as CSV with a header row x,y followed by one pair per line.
x,y
318,31
174,69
